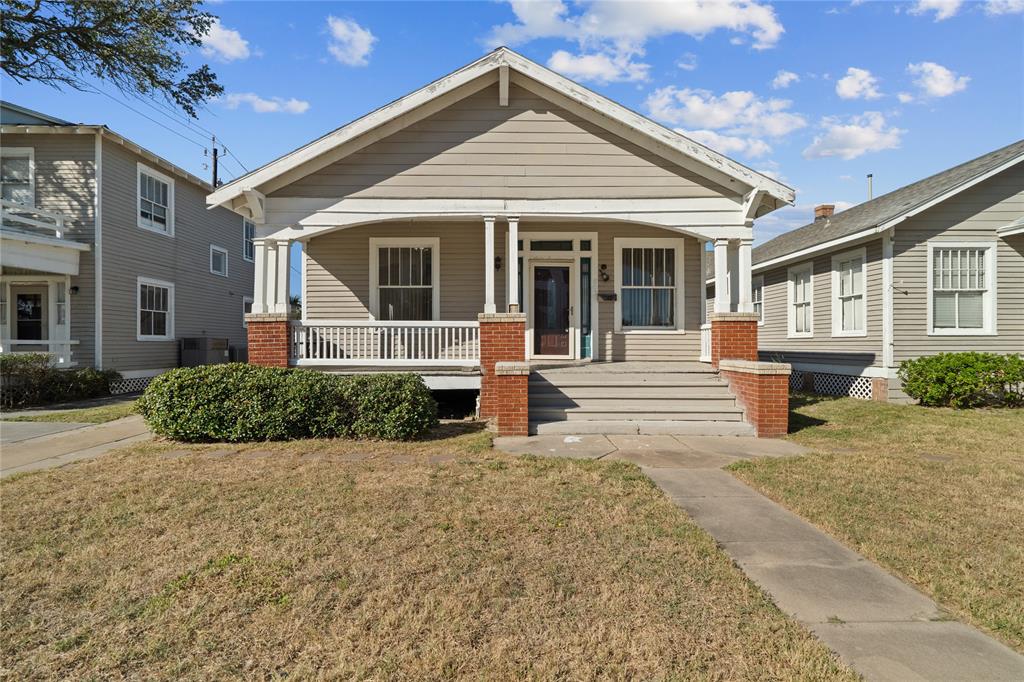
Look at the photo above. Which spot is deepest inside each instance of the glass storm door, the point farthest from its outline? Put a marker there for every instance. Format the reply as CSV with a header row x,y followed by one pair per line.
x,y
29,314
551,323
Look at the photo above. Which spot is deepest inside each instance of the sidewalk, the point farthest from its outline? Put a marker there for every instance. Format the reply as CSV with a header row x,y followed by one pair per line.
x,y
64,443
883,628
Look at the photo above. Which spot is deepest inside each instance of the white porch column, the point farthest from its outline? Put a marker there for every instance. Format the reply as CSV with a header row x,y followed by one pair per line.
x,y
734,278
489,306
721,275
283,277
513,264
746,304
259,294
703,281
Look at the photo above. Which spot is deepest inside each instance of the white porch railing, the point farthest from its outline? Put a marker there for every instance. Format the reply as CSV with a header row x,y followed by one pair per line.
x,y
59,351
31,219
705,342
362,342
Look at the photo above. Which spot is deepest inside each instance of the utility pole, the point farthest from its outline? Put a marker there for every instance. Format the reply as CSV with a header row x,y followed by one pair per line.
x,y
216,182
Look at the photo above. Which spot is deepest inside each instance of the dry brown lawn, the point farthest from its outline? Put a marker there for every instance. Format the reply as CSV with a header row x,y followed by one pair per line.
x,y
935,495
434,560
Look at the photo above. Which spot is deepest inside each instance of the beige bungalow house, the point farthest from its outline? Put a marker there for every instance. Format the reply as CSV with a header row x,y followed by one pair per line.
x,y
506,229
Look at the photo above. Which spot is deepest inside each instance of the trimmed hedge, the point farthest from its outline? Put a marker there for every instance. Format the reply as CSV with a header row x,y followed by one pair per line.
x,y
28,380
965,380
245,403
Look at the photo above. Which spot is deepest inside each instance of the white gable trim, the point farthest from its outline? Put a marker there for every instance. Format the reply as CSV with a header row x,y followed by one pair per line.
x,y
264,178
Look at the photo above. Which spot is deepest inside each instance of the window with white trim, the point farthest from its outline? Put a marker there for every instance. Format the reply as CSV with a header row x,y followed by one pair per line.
x,y
18,175
960,288
155,307
648,287
218,260
757,297
849,301
801,301
246,309
248,240
156,201
404,279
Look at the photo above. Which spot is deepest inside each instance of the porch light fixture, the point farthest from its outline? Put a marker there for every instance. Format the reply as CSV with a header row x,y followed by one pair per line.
x,y
497,262
74,289
604,273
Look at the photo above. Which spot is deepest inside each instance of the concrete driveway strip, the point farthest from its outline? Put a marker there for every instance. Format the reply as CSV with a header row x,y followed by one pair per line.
x,y
58,449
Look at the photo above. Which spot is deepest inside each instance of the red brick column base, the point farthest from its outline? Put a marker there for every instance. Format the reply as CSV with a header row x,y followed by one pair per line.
x,y
762,390
503,340
733,336
268,339
511,380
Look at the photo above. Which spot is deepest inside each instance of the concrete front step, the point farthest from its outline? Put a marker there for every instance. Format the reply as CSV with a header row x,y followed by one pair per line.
x,y
705,391
703,401
577,414
642,426
665,379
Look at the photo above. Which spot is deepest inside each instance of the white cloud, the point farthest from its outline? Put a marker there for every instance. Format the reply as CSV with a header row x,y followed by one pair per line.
x,y
905,97
225,43
936,80
783,79
350,43
729,144
735,112
997,7
854,136
688,62
599,67
264,105
858,84
944,9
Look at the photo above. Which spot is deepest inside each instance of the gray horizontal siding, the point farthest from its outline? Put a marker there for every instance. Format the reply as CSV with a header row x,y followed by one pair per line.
x,y
476,149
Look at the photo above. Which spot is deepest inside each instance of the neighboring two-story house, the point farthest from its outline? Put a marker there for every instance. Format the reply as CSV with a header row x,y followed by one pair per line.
x,y
108,253
935,266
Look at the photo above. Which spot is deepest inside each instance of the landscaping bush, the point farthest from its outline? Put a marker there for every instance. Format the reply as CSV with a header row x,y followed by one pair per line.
x,y
965,380
245,403
28,379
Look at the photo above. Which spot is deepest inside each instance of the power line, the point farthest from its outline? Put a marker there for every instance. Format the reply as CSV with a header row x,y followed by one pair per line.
x,y
150,118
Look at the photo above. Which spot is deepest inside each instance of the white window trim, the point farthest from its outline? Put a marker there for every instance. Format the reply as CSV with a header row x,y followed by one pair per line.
x,y
170,309
433,243
755,282
991,327
837,312
790,318
249,300
143,168
244,240
218,249
30,152
679,244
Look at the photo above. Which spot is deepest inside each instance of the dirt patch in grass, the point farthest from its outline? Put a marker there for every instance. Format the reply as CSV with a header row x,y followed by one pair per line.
x,y
933,494
88,415
433,560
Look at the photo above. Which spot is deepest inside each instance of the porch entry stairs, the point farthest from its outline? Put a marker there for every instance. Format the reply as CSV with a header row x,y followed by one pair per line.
x,y
681,398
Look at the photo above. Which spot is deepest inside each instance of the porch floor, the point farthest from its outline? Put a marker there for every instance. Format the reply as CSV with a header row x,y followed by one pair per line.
x,y
627,367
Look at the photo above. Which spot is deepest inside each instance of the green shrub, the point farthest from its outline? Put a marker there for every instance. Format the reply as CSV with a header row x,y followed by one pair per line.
x,y
245,403
964,380
28,379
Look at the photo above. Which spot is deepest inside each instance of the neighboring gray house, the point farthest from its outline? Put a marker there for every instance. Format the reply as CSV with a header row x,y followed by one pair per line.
x,y
108,254
936,266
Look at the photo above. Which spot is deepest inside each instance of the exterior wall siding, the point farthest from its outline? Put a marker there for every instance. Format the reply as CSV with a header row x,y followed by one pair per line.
x,y
974,214
530,149
205,304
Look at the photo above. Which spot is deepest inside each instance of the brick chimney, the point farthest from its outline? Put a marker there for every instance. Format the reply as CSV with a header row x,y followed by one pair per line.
x,y
823,211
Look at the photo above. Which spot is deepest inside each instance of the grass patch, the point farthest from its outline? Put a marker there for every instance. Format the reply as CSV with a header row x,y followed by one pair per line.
x,y
933,494
439,559
88,415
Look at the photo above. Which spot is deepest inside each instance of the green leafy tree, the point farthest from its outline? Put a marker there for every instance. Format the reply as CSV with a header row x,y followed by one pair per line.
x,y
135,44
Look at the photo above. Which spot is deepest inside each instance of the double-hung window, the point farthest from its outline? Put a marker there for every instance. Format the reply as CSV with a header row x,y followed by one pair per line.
x,y
156,201
849,302
218,261
801,301
960,288
757,297
248,240
17,175
404,279
649,276
155,307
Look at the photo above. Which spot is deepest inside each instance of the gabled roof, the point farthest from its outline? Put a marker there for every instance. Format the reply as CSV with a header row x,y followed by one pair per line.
x,y
502,58
15,114
881,213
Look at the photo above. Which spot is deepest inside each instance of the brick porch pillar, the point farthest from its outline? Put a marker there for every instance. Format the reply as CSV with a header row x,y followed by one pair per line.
x,y
733,336
762,390
503,340
268,339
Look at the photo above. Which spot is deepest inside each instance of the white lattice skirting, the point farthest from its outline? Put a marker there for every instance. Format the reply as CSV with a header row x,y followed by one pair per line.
x,y
796,380
130,385
843,384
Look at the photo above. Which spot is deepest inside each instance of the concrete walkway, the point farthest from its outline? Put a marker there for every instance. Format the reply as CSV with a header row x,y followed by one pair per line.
x,y
883,628
28,446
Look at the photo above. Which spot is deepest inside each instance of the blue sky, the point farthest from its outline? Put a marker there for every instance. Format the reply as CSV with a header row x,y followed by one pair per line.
x,y
816,93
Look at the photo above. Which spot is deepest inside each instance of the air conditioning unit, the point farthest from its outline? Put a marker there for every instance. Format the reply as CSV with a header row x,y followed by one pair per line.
x,y
203,351
238,353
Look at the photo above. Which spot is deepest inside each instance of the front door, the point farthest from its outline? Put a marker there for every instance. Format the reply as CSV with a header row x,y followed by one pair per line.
x,y
552,314
30,322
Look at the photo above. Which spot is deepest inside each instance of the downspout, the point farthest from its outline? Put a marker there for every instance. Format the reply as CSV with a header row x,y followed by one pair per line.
x,y
887,302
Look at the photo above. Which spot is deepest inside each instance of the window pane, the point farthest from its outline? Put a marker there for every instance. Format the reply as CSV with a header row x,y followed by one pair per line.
x,y
15,169
406,304
647,269
944,311
636,307
663,308
972,312
393,266
428,267
416,273
627,268
18,193
160,324
146,323
551,245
